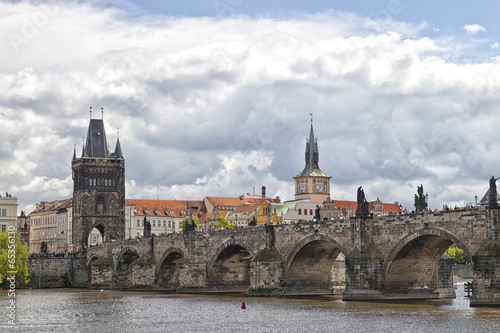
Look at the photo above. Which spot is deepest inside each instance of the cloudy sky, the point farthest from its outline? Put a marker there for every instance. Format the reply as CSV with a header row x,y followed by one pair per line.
x,y
212,98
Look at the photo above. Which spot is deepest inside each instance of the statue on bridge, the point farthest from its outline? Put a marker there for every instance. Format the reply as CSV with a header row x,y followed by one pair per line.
x,y
420,199
147,228
362,209
317,213
493,202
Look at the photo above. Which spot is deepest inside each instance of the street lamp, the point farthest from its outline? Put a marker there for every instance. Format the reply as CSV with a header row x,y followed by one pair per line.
x,y
475,197
427,200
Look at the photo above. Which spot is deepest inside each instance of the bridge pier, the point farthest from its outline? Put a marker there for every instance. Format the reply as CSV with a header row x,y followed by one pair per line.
x,y
266,270
486,275
364,271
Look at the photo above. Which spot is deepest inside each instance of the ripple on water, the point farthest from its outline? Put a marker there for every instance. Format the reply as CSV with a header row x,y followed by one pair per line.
x,y
69,310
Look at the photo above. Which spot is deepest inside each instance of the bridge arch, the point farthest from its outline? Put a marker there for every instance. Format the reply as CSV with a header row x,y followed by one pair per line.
x,y
230,267
311,263
167,273
412,262
123,271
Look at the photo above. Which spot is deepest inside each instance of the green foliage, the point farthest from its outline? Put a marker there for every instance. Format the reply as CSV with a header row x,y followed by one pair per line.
x,y
13,255
223,223
457,254
186,220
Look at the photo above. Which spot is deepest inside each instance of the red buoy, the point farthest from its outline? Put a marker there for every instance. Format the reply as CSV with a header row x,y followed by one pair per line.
x,y
243,305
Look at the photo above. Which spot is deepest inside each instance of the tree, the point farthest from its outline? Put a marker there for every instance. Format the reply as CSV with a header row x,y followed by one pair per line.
x,y
13,256
223,223
185,221
457,254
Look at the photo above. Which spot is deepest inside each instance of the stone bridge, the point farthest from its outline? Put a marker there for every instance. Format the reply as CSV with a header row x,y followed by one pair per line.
x,y
389,257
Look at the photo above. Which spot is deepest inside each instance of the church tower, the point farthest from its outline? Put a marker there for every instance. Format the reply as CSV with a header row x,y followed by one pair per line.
x,y
98,188
312,183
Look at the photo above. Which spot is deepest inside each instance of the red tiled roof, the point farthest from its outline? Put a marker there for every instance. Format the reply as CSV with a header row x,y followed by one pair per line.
x,y
236,202
249,209
52,206
344,204
170,208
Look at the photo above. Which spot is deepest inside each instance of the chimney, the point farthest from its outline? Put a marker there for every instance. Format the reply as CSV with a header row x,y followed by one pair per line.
x,y
263,191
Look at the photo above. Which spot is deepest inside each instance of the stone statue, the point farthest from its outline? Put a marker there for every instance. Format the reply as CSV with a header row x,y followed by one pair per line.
x,y
317,213
147,228
420,199
253,222
361,195
362,209
493,202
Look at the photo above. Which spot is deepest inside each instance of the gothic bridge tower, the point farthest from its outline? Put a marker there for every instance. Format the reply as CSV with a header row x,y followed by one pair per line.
x,y
98,188
312,183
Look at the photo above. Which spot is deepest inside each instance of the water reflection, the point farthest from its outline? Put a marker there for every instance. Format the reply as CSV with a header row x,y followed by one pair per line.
x,y
70,310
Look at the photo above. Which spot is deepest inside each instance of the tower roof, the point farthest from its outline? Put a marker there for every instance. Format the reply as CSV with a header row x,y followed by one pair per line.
x,y
312,158
96,145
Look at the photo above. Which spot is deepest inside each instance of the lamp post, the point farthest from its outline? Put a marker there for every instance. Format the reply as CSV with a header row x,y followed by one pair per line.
x,y
427,201
475,197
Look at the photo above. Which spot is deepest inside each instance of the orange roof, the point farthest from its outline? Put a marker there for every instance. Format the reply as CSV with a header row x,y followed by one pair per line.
x,y
249,209
344,204
169,208
45,206
236,202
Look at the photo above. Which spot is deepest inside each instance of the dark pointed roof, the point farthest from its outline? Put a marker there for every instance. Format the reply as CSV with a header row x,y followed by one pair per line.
x,y
118,150
96,145
74,153
312,158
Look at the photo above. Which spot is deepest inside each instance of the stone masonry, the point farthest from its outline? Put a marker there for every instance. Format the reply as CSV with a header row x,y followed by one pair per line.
x,y
399,256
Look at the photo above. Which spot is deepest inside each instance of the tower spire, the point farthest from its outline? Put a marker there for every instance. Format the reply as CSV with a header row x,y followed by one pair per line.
x,y
91,113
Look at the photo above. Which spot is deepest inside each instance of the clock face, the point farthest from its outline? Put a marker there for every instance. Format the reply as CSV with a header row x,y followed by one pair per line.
x,y
319,188
302,188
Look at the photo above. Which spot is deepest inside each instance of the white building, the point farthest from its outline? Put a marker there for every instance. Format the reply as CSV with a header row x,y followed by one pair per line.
x,y
165,216
8,212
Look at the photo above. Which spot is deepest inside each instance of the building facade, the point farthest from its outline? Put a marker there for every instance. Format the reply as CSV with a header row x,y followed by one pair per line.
x,y
98,189
48,225
8,212
165,216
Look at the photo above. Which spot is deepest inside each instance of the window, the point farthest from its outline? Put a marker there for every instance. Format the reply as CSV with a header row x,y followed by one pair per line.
x,y
164,223
154,223
4,212
300,211
138,223
310,211
4,227
100,204
305,211
169,224
173,224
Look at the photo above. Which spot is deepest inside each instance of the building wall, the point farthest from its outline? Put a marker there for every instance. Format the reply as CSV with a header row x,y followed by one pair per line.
x,y
8,212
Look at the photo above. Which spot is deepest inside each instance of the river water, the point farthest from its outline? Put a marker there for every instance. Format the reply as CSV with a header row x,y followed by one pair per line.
x,y
95,311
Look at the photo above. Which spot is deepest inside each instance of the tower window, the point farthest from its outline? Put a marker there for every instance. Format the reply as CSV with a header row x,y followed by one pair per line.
x,y
100,204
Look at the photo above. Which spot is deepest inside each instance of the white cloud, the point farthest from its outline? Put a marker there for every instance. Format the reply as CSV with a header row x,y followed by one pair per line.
x,y
494,46
473,29
217,106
